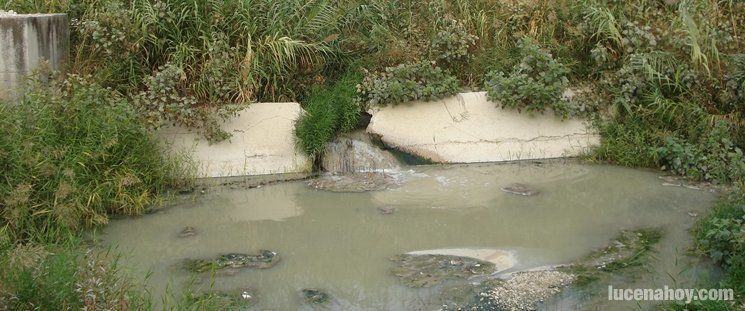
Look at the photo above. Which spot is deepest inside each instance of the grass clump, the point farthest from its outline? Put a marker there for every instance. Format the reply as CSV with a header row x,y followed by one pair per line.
x,y
65,276
329,111
421,80
73,154
535,84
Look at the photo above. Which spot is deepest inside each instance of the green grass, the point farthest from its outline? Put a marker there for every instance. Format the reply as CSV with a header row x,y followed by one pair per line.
x,y
669,80
65,276
329,111
73,154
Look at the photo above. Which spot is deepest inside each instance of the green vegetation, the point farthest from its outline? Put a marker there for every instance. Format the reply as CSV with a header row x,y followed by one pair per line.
x,y
722,237
535,84
407,82
64,277
329,111
666,83
635,249
72,154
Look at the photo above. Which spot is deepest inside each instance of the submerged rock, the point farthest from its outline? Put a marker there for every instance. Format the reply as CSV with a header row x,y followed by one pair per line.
x,y
264,260
355,182
188,231
520,189
315,296
386,210
430,270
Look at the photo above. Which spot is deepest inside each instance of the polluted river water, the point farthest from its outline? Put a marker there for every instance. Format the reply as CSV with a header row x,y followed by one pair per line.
x,y
342,243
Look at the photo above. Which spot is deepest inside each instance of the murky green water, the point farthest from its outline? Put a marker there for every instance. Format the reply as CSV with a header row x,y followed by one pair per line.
x,y
341,243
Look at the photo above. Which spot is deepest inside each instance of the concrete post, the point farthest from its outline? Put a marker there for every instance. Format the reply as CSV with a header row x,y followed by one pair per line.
x,y
27,40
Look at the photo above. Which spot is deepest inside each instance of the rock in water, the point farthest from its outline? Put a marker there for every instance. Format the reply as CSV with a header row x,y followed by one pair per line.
x,y
264,260
355,152
430,270
386,210
315,296
188,231
520,189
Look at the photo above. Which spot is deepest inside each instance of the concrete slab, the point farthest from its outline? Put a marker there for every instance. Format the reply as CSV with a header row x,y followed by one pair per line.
x,y
263,142
467,128
27,41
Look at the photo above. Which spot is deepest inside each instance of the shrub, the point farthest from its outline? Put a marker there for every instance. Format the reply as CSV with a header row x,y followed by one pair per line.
x,y
722,237
329,111
452,42
421,80
162,103
71,155
535,84
715,158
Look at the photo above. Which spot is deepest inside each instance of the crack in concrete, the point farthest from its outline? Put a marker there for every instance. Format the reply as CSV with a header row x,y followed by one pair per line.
x,y
501,140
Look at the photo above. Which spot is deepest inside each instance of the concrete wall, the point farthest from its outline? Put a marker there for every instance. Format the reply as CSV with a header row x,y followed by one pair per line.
x,y
263,143
468,128
26,41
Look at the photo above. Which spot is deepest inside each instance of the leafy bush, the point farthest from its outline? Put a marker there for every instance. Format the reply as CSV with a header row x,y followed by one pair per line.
x,y
535,84
452,42
162,103
406,82
715,158
71,155
329,111
722,237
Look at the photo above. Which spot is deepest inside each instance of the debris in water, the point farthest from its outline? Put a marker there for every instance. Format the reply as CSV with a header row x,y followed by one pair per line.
x,y
520,189
239,299
522,291
264,260
430,270
355,182
188,231
315,296
386,210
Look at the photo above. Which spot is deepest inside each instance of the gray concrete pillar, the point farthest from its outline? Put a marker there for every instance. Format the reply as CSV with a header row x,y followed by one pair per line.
x,y
27,40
